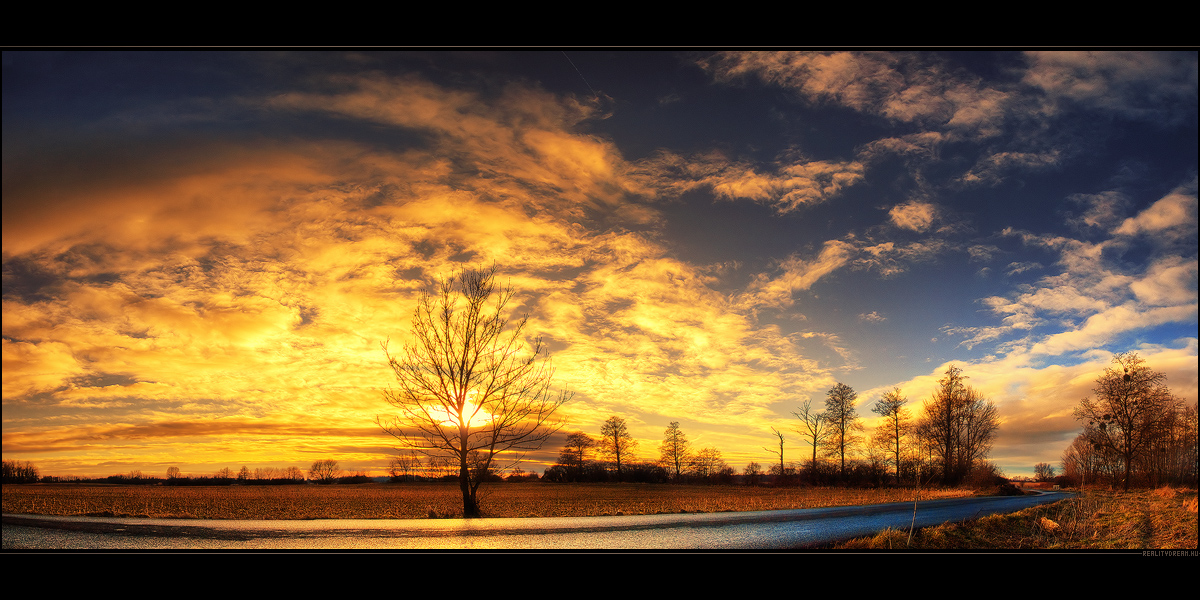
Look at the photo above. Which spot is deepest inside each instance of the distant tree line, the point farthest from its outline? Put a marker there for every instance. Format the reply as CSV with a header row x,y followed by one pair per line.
x,y
409,467
15,471
244,476
324,471
947,444
612,457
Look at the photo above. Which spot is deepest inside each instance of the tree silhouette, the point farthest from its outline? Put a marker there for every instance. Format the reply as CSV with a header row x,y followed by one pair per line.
x,y
843,423
1043,471
574,453
959,424
470,387
895,424
752,473
782,469
814,426
325,471
707,463
615,441
675,450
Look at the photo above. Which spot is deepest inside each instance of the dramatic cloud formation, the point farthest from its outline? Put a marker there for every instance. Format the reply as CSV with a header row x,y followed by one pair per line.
x,y
204,251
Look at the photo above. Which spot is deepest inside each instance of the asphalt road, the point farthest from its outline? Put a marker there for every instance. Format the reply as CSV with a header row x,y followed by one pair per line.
x,y
761,530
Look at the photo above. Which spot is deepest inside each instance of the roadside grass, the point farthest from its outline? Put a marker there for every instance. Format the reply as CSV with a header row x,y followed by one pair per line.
x,y
1162,518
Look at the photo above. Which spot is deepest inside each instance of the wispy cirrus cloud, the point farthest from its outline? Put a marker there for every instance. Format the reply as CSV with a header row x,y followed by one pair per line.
x,y
1143,85
1093,291
905,87
786,186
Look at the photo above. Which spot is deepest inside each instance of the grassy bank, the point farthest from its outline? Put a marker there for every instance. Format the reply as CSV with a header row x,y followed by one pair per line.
x,y
422,500
1163,518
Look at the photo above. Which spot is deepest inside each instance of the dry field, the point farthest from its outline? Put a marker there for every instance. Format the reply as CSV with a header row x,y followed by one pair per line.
x,y
422,500
1161,519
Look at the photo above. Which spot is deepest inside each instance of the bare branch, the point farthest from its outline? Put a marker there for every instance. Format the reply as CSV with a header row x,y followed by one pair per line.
x,y
469,385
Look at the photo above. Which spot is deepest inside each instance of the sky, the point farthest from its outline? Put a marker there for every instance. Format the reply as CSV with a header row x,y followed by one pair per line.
x,y
202,251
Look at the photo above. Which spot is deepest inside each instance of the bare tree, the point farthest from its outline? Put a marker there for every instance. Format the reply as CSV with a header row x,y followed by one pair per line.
x,y
959,425
675,450
706,463
615,441
1043,471
814,426
403,466
752,473
779,453
895,425
574,453
293,473
470,384
173,473
1131,406
325,471
844,426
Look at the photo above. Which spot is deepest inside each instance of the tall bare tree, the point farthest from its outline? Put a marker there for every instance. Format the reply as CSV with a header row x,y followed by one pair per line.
x,y
1131,407
782,469
941,414
844,426
615,441
895,425
814,426
959,424
470,386
675,451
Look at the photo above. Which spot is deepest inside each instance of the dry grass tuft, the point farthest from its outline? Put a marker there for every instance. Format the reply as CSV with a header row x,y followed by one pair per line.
x,y
1047,525
1166,492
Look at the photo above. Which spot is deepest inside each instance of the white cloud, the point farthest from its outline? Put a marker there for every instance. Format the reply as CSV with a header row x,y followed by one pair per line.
x,y
915,215
1174,214
872,317
796,274
786,186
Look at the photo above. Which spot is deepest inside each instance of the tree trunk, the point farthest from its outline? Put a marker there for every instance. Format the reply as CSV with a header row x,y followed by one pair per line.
x,y
470,506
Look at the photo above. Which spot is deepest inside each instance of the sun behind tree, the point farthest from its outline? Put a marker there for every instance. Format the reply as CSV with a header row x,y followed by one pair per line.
x,y
470,387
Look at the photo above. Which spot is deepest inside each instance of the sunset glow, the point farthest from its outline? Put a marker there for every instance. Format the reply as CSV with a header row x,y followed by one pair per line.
x,y
203,251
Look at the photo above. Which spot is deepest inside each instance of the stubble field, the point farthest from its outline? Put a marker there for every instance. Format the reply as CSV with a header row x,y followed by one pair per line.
x,y
425,500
